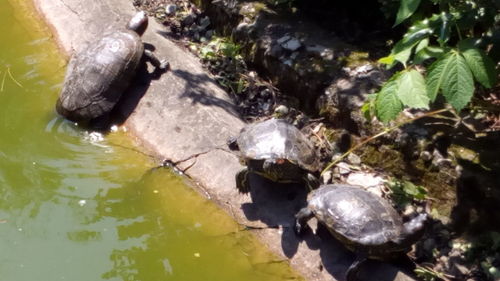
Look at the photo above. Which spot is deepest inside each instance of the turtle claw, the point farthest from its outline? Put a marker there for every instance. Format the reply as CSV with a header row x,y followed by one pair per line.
x,y
301,219
164,65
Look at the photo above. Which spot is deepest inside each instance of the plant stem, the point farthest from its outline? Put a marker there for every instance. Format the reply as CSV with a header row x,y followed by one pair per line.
x,y
331,164
3,81
13,79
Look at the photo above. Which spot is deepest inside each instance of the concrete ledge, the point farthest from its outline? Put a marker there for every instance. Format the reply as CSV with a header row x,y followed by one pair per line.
x,y
186,118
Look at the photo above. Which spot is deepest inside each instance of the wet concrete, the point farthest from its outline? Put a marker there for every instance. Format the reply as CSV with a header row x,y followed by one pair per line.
x,y
184,117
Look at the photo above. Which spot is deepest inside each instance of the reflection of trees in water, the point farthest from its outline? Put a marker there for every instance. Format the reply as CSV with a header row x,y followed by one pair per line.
x,y
170,232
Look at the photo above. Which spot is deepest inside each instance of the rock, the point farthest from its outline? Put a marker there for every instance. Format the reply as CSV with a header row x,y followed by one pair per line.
x,y
426,156
281,110
343,168
368,181
209,34
275,51
283,39
291,45
204,23
353,159
365,179
321,51
170,9
188,20
326,178
409,210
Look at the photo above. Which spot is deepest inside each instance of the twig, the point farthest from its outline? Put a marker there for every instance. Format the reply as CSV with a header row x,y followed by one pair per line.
x,y
3,82
13,79
379,135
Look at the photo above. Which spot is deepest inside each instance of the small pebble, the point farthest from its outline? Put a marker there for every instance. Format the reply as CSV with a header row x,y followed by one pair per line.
x,y
326,177
353,159
170,9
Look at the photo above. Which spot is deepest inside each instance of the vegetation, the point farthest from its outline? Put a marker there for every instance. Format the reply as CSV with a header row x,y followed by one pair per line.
x,y
4,73
452,38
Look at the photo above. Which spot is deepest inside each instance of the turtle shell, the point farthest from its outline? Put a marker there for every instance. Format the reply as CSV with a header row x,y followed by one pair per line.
x,y
358,218
97,77
277,139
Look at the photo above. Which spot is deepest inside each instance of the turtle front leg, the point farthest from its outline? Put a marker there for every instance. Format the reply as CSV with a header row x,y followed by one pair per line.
x,y
312,181
352,271
301,218
242,182
158,64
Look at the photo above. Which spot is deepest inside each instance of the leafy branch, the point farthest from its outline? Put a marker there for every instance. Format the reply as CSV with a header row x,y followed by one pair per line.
x,y
454,69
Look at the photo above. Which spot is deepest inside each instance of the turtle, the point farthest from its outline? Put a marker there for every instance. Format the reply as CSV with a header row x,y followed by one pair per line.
x,y
276,150
97,76
365,223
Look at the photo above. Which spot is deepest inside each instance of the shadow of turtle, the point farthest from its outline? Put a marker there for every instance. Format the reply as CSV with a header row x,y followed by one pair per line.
x,y
136,90
275,205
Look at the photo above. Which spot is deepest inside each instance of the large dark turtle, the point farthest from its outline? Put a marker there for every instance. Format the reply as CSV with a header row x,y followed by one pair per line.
x,y
97,76
275,150
365,223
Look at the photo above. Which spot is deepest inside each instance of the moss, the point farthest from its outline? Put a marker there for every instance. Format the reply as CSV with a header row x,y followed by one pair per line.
x,y
441,189
463,153
355,59
252,9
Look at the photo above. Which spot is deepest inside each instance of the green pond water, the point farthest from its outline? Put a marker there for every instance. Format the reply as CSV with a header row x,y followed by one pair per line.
x,y
79,206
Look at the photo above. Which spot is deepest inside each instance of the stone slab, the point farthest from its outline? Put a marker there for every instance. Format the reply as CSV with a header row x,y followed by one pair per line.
x,y
184,117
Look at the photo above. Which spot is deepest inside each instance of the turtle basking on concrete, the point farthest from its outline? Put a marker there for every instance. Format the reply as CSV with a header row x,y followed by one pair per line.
x,y
275,150
98,75
365,223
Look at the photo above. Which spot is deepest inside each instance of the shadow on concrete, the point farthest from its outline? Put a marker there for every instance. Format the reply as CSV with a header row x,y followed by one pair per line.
x,y
275,204
196,89
138,88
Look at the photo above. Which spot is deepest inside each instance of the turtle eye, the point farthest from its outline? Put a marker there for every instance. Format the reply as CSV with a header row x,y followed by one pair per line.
x,y
280,161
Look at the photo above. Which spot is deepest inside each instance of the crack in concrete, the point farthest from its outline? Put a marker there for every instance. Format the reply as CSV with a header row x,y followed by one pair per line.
x,y
71,9
169,162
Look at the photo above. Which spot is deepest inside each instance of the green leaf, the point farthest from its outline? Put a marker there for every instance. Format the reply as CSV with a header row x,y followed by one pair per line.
x,y
423,44
482,67
387,103
387,60
444,24
426,53
406,9
436,74
458,83
411,89
421,30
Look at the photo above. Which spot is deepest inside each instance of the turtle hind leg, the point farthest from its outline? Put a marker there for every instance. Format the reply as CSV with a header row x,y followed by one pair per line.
x,y
242,182
352,272
160,65
301,219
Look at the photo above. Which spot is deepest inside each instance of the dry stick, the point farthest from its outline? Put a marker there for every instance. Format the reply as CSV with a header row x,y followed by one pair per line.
x,y
13,79
3,82
380,134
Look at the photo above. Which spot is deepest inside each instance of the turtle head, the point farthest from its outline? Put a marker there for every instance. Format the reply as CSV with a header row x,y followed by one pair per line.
x,y
413,230
232,143
138,23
